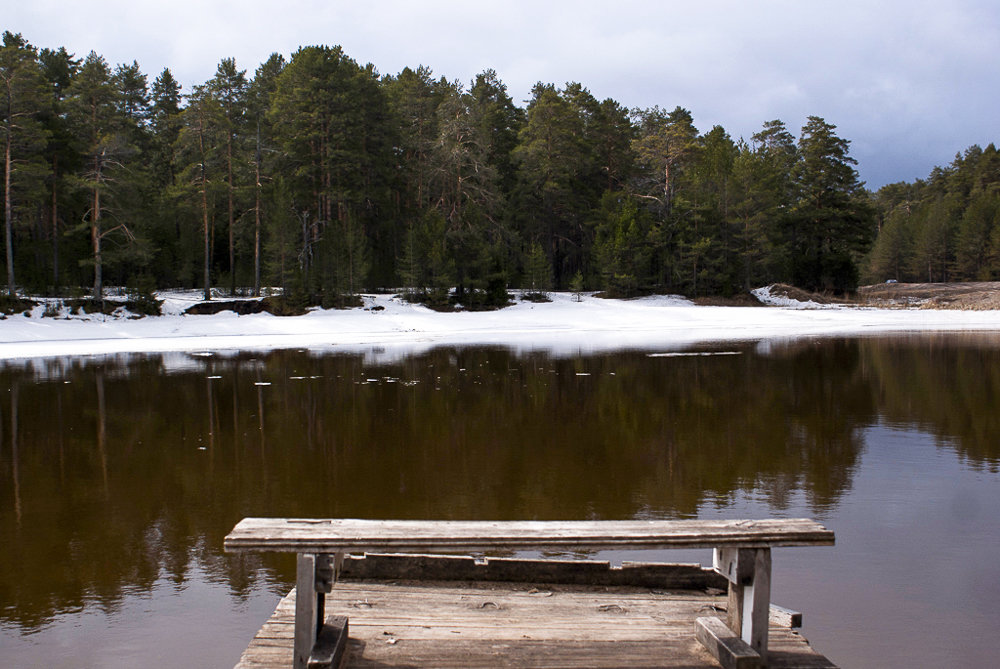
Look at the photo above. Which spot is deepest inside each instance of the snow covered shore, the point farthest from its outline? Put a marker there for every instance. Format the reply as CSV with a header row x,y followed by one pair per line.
x,y
564,326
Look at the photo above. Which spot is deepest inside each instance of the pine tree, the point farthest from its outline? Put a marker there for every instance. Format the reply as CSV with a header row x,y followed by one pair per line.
x,y
833,224
499,121
891,249
259,95
975,234
93,104
229,86
537,270
620,246
352,259
663,148
165,124
134,184
59,69
198,146
21,99
764,200
330,119
551,156
413,97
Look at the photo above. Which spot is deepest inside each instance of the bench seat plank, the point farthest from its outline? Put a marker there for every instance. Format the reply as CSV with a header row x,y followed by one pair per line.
x,y
358,536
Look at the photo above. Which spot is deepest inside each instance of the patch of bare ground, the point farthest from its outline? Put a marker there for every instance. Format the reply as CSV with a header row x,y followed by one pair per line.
x,y
800,295
747,300
971,295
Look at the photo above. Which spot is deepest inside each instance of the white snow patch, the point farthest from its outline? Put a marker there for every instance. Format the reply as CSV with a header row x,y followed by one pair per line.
x,y
767,297
566,326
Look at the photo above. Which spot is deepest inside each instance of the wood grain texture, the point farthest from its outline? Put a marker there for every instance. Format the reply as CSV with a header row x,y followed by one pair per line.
x,y
359,536
731,651
306,611
415,623
757,602
782,617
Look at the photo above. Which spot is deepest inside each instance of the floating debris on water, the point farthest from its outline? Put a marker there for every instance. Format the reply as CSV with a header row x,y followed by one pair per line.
x,y
691,354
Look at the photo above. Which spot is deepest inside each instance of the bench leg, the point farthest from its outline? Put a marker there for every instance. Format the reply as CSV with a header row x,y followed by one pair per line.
x,y
314,577
749,573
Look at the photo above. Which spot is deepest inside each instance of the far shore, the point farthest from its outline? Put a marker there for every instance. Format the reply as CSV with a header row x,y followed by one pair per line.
x,y
569,324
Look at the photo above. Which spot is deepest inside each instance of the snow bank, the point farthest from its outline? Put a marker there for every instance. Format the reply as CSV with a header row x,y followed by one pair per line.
x,y
387,325
768,296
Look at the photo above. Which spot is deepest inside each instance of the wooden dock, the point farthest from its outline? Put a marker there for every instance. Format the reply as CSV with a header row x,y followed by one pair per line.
x,y
424,611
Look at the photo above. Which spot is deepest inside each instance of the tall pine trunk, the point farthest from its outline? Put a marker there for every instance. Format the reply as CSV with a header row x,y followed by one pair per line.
x,y
95,229
232,244
8,213
205,229
256,222
204,210
55,224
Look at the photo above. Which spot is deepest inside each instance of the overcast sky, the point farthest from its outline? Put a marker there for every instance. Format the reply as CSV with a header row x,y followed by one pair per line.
x,y
908,82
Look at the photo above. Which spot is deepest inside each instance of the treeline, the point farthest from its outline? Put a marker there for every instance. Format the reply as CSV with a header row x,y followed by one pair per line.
x,y
322,177
944,228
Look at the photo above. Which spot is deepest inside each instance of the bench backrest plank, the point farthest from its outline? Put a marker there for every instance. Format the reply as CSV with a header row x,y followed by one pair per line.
x,y
303,535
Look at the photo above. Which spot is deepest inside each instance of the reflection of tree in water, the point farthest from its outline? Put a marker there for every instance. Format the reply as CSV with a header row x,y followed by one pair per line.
x,y
114,496
945,384
129,474
826,403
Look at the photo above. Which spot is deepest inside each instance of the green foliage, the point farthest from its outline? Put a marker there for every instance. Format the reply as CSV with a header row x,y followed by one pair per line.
x,y
832,224
499,122
229,87
891,251
665,146
107,118
537,275
974,251
320,177
576,285
621,247
350,261
946,228
142,299
555,189
23,137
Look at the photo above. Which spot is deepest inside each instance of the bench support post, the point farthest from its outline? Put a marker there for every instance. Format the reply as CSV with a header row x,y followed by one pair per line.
x,y
315,575
748,571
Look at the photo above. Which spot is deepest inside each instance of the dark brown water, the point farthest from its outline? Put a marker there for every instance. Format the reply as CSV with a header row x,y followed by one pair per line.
x,y
119,479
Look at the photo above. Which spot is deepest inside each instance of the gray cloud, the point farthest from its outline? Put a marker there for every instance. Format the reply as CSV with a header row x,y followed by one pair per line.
x,y
909,83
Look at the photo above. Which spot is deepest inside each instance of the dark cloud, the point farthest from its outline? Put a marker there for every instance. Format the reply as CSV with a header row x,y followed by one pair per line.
x,y
909,83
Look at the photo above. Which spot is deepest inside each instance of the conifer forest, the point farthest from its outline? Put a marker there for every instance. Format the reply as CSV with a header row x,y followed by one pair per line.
x,y
323,178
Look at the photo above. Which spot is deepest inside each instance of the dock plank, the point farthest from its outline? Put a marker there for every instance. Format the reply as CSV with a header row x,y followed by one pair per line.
x,y
333,535
404,623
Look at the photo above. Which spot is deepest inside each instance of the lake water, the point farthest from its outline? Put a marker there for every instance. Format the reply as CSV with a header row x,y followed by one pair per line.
x,y
119,479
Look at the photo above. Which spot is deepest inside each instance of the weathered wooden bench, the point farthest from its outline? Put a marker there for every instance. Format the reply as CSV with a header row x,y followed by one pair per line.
x,y
742,553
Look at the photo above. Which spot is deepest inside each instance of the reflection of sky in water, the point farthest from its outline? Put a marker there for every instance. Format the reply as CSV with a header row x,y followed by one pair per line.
x,y
205,623
915,574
